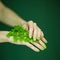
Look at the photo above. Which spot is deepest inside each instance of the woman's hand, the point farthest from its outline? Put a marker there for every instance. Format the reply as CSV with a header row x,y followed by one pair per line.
x,y
36,33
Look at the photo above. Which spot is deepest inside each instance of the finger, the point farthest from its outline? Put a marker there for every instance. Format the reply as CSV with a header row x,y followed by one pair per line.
x,y
41,43
25,26
39,33
44,40
42,34
32,47
30,23
35,32
42,37
38,45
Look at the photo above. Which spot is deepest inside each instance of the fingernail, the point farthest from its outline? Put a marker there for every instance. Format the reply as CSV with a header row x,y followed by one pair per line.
x,y
46,41
45,47
42,48
30,36
38,51
34,39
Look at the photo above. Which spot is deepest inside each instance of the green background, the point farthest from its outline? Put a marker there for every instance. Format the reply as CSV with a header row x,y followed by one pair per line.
x,y
47,16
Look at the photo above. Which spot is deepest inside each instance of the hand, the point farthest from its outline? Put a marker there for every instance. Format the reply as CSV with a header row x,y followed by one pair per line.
x,y
36,33
33,31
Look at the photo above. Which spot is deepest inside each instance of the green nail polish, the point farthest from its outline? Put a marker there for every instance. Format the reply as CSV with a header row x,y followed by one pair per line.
x,y
45,46
30,36
46,41
34,39
42,48
38,51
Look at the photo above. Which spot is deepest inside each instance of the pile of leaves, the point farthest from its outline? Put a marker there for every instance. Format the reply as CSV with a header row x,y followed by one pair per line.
x,y
21,34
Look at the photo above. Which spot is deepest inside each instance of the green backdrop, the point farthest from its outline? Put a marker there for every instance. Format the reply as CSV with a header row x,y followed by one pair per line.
x,y
47,15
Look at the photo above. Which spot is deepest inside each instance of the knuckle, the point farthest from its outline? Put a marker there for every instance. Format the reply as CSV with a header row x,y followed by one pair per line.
x,y
30,21
35,24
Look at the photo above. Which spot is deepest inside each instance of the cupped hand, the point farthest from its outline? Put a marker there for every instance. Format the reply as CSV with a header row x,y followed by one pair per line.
x,y
34,31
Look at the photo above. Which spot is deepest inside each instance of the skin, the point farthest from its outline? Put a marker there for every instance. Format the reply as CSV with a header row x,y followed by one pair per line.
x,y
10,18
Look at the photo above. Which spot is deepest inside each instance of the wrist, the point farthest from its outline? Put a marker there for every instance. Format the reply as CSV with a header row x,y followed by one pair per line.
x,y
3,37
